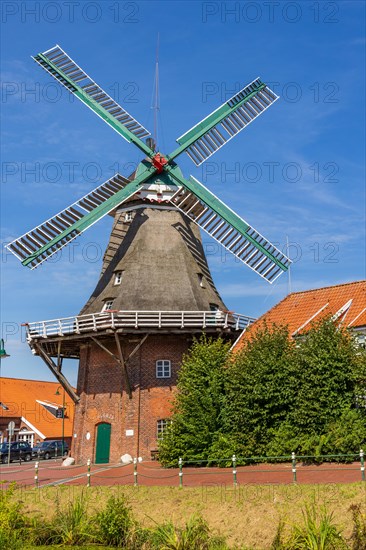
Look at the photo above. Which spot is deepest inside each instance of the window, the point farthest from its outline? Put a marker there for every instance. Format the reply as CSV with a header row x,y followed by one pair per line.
x,y
361,340
117,277
160,427
27,436
163,369
128,217
107,305
50,407
201,280
214,307
60,413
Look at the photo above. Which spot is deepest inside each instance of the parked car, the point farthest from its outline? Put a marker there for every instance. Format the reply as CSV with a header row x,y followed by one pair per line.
x,y
19,450
50,449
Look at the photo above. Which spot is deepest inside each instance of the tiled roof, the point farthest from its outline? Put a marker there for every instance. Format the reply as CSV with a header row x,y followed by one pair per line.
x,y
346,302
20,396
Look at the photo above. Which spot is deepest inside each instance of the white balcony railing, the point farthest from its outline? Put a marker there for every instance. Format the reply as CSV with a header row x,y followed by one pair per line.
x,y
134,320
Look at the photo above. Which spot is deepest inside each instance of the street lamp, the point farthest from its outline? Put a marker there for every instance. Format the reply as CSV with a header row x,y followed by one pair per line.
x,y
3,354
63,419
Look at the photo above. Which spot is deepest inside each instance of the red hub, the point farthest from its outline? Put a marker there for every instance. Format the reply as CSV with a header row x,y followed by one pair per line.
x,y
158,162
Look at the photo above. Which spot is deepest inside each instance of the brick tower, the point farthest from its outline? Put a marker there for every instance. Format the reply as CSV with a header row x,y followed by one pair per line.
x,y
154,268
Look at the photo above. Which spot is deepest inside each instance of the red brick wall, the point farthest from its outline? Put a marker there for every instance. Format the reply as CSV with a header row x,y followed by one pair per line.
x,y
103,395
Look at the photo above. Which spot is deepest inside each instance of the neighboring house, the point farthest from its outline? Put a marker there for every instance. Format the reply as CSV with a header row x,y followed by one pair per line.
x,y
345,303
36,408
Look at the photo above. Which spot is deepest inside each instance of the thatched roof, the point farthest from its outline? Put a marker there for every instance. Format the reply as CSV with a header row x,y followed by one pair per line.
x,y
162,264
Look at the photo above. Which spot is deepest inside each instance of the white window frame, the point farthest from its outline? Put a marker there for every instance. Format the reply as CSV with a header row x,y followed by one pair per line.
x,y
27,436
361,340
108,304
128,217
163,368
118,277
161,425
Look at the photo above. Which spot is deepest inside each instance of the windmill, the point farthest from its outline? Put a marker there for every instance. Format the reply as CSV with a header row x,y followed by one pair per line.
x,y
156,199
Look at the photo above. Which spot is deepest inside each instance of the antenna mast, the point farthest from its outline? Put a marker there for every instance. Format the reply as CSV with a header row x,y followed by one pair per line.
x,y
155,102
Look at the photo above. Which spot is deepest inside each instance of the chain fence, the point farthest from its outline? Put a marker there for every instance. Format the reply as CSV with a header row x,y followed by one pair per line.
x,y
235,470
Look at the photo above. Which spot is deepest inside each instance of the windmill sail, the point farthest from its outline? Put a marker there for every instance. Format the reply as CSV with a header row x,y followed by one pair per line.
x,y
49,237
56,62
231,231
191,198
209,135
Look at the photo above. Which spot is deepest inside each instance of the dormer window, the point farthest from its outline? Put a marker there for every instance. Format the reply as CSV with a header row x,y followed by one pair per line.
x,y
107,305
117,277
55,410
201,280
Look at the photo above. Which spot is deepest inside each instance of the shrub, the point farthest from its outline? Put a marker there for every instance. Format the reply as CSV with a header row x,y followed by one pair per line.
x,y
222,449
11,512
115,524
317,533
198,403
260,389
71,526
12,520
195,535
342,436
271,398
327,365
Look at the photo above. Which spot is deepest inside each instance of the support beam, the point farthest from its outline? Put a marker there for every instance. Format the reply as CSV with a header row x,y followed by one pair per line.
x,y
122,361
58,374
135,350
59,358
104,348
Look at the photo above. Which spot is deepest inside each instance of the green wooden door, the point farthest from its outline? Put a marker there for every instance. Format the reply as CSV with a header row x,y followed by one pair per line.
x,y
103,443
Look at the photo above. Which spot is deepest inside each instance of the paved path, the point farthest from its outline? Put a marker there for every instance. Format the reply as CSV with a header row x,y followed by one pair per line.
x,y
152,474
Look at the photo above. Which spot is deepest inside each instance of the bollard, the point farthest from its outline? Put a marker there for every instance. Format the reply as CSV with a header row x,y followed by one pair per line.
x,y
135,472
36,474
88,475
294,474
234,470
180,462
362,459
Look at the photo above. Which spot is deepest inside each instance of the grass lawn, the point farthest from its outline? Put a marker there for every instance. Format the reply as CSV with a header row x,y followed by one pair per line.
x,y
247,516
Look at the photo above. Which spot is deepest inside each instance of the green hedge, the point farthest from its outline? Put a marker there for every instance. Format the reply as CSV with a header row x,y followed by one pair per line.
x,y
274,397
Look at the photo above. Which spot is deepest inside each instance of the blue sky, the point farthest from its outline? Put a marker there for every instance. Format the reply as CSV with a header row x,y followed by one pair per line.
x,y
297,172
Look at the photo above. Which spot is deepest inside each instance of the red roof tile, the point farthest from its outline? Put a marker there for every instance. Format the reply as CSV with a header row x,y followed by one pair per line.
x,y
297,310
22,396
